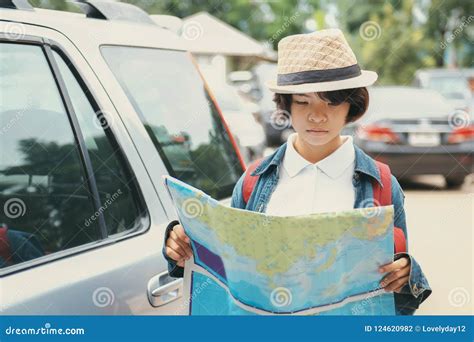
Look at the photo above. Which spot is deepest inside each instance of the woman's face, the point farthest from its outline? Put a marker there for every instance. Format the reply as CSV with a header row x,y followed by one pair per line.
x,y
317,122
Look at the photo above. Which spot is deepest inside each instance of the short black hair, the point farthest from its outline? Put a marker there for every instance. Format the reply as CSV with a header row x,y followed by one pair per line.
x,y
358,99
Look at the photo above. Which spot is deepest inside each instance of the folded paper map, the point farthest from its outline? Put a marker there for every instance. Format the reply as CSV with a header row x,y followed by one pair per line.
x,y
248,263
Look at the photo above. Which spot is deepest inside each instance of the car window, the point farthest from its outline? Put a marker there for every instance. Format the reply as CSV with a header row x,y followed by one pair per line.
x,y
117,189
44,195
227,98
454,87
170,97
405,104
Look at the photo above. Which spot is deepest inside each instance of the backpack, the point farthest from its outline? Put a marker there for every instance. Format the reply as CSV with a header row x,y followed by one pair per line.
x,y
382,196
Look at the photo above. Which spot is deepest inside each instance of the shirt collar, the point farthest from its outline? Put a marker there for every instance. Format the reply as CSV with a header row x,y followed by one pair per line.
x,y
333,165
363,163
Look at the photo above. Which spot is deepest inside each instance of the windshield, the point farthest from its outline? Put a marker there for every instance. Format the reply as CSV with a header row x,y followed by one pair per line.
x,y
406,104
169,95
451,87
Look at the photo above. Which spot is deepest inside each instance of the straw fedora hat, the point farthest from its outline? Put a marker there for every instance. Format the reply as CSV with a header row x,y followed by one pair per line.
x,y
319,61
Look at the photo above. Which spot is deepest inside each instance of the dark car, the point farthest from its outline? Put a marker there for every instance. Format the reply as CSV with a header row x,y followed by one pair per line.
x,y
416,132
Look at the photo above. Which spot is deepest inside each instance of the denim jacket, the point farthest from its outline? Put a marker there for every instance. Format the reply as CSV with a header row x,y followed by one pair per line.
x,y
412,294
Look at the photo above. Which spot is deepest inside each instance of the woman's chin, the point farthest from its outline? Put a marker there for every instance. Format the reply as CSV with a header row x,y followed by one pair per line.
x,y
317,139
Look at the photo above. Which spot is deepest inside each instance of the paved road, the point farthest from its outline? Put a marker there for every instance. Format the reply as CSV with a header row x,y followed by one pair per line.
x,y
440,228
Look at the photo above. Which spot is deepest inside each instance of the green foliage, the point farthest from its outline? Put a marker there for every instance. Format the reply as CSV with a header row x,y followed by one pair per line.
x,y
401,46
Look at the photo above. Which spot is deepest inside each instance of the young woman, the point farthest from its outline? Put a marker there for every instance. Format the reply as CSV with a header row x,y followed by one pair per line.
x,y
321,87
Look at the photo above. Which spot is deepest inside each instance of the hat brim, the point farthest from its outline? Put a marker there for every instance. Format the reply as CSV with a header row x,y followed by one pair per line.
x,y
365,79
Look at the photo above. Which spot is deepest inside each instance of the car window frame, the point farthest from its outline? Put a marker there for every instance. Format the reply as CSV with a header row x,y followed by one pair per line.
x,y
143,221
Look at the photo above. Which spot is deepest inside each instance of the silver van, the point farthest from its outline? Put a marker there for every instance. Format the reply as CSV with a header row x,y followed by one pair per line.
x,y
94,109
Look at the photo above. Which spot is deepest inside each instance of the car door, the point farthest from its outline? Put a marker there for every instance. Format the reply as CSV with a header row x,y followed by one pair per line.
x,y
81,223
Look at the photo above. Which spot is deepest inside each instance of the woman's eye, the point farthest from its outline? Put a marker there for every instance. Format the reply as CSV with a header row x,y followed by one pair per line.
x,y
333,104
301,102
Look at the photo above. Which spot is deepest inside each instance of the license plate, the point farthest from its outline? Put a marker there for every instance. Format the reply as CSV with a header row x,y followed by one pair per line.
x,y
424,139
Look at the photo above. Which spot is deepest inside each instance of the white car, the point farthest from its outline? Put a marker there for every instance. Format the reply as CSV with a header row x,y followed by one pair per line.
x,y
94,109
242,120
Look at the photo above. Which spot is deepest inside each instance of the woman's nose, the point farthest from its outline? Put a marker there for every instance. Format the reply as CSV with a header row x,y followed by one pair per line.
x,y
317,116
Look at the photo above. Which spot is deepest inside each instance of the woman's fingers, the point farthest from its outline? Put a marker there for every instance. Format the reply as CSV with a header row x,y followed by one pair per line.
x,y
177,248
391,277
400,263
179,230
398,274
174,254
183,244
397,284
177,245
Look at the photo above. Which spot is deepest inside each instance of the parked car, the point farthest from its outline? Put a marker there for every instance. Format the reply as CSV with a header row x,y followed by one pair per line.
x,y
241,118
451,83
244,81
416,131
93,112
277,124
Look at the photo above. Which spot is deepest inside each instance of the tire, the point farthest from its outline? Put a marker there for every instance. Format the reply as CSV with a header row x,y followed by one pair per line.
x,y
454,182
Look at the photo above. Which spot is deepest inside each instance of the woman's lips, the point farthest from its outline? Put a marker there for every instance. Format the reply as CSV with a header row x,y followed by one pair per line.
x,y
317,131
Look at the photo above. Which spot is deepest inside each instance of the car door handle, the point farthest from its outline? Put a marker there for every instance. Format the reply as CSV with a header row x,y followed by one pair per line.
x,y
163,289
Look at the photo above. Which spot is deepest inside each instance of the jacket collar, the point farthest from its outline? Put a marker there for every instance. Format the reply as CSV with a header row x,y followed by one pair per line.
x,y
366,165
363,163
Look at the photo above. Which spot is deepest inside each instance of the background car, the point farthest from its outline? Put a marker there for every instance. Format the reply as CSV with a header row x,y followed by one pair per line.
x,y
277,124
241,118
451,83
417,132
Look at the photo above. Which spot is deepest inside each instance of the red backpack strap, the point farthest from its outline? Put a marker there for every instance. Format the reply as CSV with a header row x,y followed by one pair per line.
x,y
383,197
5,251
383,194
249,180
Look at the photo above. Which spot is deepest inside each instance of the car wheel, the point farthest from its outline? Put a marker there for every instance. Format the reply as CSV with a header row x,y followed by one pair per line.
x,y
454,182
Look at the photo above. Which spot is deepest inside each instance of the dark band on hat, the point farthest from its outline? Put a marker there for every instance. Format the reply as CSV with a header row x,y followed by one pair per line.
x,y
316,76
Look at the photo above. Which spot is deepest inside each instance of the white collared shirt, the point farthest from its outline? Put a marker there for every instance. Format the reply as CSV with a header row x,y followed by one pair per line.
x,y
304,188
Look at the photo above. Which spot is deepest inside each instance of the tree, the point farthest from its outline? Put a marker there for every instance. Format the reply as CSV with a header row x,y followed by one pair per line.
x,y
448,24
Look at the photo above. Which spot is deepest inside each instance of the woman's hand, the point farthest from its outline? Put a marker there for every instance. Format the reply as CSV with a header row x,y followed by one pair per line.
x,y
177,245
398,276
